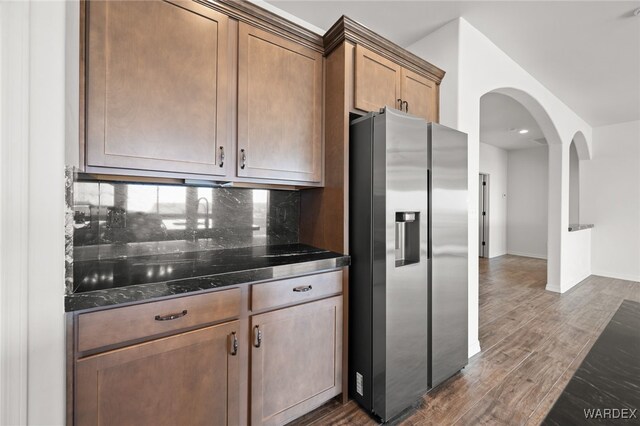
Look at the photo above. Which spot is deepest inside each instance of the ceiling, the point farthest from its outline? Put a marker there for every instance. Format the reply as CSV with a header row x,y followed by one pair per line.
x,y
501,117
586,52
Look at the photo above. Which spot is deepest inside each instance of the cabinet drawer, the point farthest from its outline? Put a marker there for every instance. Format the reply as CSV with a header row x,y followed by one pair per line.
x,y
295,290
109,327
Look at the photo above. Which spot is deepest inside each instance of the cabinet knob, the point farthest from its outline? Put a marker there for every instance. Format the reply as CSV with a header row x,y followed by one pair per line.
x,y
221,156
243,158
234,343
257,336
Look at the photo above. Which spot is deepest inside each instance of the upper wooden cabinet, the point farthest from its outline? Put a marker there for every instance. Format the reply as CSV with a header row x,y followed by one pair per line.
x,y
279,108
377,81
421,95
157,86
380,82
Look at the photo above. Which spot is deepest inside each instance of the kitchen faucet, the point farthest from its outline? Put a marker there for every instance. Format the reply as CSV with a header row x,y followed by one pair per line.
x,y
206,216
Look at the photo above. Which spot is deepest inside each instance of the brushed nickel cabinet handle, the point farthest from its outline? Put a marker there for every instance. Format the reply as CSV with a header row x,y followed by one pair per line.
x,y
257,336
171,316
234,343
399,100
406,106
243,157
221,156
302,289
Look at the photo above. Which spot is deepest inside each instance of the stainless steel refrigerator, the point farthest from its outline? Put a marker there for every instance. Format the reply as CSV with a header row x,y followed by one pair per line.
x,y
408,247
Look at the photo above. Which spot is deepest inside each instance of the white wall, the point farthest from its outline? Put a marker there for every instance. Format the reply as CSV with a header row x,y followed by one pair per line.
x,y
441,47
14,131
579,254
481,67
33,135
610,199
46,338
528,189
493,161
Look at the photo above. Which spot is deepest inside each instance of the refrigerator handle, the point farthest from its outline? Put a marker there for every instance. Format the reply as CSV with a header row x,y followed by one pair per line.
x,y
428,214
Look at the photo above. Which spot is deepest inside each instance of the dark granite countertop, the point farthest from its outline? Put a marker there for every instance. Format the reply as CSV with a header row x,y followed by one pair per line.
x,y
608,378
125,280
579,227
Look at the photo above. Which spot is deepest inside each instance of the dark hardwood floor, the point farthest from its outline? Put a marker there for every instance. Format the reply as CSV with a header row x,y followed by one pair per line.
x,y
532,342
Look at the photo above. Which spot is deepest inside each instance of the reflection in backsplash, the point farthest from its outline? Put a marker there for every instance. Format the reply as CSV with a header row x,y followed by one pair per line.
x,y
112,220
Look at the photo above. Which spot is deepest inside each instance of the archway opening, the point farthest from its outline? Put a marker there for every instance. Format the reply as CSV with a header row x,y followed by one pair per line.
x,y
515,138
578,151
574,185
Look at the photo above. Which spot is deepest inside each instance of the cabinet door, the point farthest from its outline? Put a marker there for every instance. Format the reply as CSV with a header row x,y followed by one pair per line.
x,y
191,378
157,89
296,363
279,108
421,95
377,81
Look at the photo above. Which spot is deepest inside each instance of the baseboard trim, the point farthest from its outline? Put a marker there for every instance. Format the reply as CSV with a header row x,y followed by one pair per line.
x,y
474,348
497,255
535,256
626,277
553,287
576,282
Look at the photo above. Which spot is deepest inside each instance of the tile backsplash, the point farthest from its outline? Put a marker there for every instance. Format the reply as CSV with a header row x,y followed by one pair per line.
x,y
111,220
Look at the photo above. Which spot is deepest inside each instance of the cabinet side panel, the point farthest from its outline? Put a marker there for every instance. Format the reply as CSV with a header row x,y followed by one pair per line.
x,y
360,289
324,222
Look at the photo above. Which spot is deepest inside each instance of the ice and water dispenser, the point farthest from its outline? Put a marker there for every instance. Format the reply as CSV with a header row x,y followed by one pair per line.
x,y
407,238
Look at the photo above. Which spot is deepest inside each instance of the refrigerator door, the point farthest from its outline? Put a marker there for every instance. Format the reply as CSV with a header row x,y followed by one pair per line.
x,y
449,259
400,290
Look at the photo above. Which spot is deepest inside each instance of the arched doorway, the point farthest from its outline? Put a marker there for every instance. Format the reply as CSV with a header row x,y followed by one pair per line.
x,y
513,215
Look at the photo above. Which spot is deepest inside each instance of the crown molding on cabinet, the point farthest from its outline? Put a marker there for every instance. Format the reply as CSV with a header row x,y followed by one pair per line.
x,y
256,16
346,29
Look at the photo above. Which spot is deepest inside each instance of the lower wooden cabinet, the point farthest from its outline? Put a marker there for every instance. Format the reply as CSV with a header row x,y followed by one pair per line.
x,y
266,368
296,360
190,378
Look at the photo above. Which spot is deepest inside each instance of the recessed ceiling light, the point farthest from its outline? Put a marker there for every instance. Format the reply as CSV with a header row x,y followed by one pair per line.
x,y
523,131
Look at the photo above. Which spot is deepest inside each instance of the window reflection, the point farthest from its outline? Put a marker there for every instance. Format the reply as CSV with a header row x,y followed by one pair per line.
x,y
142,198
260,211
171,207
136,219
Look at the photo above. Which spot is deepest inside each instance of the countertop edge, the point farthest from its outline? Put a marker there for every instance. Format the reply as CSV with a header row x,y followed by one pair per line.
x,y
143,293
580,227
